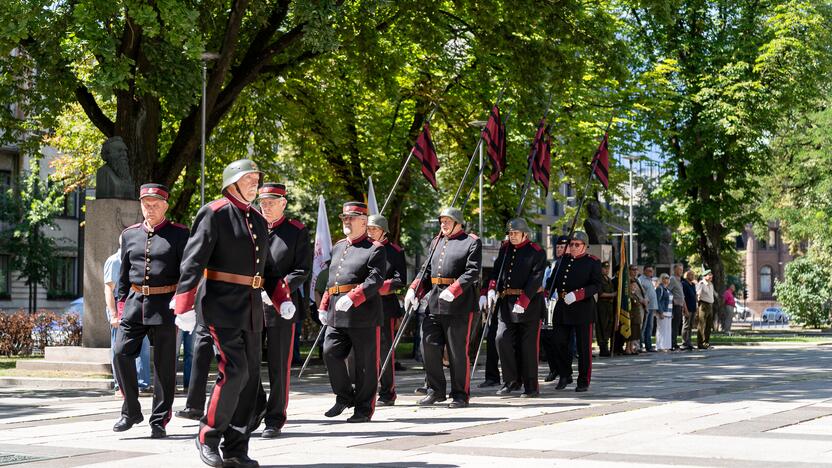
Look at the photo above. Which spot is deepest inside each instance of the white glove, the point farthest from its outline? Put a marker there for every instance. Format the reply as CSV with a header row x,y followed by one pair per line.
x,y
186,322
172,305
266,299
570,298
492,298
322,316
447,295
343,304
483,303
410,301
518,309
287,310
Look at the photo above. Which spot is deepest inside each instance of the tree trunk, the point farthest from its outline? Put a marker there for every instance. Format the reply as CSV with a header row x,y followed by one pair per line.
x,y
138,122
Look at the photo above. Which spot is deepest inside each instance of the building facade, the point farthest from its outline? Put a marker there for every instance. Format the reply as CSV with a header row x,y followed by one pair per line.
x,y
765,260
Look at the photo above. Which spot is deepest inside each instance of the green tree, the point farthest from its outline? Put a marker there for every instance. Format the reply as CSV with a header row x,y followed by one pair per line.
x,y
28,213
722,76
806,291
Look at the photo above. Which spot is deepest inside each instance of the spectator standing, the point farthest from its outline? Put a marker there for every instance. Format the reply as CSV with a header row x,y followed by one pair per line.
x,y
705,296
689,312
637,309
678,296
112,269
728,311
646,282
664,316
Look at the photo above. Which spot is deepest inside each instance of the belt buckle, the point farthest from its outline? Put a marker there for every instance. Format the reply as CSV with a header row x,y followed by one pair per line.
x,y
145,290
257,282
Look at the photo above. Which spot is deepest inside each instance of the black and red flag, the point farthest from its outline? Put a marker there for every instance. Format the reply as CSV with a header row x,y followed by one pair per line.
x,y
602,167
494,139
426,153
540,156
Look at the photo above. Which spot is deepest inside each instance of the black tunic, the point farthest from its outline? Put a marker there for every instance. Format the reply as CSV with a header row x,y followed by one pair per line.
x,y
523,270
457,257
581,275
394,279
363,263
289,264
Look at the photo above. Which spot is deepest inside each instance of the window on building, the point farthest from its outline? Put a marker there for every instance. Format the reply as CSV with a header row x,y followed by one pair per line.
x,y
5,180
761,244
5,277
63,280
765,280
772,238
71,205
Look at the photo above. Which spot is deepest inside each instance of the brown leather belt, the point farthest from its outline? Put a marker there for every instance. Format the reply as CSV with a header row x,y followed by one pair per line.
x,y
388,293
515,292
442,280
254,282
341,289
153,290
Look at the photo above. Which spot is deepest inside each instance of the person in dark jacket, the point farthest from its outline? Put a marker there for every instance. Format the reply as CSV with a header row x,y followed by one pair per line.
x,y
394,279
515,286
451,277
287,268
689,313
151,253
576,284
352,310
220,287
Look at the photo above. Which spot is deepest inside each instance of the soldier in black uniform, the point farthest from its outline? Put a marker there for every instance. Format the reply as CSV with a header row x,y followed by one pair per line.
x,y
151,252
288,266
521,306
547,335
228,250
452,276
394,279
576,284
351,309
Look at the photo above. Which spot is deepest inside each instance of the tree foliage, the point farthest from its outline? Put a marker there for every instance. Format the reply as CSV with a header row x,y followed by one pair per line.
x,y
806,292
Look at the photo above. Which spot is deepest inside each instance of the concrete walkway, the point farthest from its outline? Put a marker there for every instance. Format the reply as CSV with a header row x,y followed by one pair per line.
x,y
731,406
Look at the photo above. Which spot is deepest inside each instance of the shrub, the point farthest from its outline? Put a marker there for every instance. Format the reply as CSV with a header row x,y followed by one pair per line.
x,y
16,333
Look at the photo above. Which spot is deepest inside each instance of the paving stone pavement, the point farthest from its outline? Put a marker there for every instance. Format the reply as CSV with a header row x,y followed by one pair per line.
x,y
731,406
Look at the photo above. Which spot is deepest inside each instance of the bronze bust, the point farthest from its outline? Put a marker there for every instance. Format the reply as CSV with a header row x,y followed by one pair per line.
x,y
113,180
595,229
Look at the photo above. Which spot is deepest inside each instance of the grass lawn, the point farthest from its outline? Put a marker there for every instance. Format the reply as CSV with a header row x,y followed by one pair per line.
x,y
719,338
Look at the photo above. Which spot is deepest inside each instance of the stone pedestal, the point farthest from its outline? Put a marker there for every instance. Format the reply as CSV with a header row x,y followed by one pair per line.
x,y
602,251
105,219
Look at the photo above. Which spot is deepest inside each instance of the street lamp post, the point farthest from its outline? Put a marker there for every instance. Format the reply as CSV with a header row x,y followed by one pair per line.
x,y
480,124
205,57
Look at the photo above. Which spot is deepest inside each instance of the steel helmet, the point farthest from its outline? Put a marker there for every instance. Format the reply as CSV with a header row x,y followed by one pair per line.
x,y
236,170
378,221
453,213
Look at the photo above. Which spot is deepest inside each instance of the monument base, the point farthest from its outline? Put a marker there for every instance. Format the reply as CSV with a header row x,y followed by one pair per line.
x,y
104,221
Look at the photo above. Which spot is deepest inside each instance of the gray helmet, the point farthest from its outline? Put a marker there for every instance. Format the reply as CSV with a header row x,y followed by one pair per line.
x,y
580,236
378,221
236,170
453,213
518,224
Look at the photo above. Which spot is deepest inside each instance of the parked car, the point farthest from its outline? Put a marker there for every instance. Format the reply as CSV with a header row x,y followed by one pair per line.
x,y
775,314
743,313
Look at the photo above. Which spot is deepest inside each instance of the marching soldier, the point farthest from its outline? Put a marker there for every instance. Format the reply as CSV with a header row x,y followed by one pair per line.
x,y
606,311
394,279
577,282
203,354
288,266
452,276
519,285
228,250
150,256
547,335
352,310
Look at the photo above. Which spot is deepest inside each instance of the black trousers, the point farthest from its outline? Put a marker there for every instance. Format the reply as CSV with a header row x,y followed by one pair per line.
x,y
200,366
233,398
127,347
364,342
492,356
387,391
603,327
525,338
454,332
280,344
547,342
583,337
676,325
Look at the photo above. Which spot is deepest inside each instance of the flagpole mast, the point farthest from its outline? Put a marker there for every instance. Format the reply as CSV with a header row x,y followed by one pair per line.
x,y
482,168
476,148
406,162
586,187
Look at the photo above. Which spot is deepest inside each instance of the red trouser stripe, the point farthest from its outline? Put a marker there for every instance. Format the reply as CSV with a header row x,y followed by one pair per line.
x,y
215,394
288,372
378,364
467,358
589,370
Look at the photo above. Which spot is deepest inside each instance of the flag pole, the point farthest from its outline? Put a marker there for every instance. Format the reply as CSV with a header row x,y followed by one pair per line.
x,y
406,162
524,192
482,169
476,148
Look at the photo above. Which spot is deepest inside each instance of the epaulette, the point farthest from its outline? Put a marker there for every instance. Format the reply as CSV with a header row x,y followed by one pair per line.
x,y
297,224
131,227
396,247
377,243
473,236
535,246
217,204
